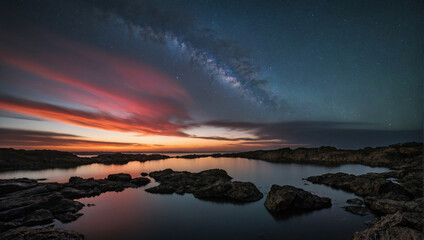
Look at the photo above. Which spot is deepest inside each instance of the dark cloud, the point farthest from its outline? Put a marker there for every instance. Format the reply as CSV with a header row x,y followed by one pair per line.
x,y
339,134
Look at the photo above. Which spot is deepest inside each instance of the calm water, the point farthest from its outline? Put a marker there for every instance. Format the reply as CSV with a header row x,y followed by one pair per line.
x,y
136,214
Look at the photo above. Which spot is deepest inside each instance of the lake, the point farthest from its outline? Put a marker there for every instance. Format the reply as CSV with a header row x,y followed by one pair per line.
x,y
136,214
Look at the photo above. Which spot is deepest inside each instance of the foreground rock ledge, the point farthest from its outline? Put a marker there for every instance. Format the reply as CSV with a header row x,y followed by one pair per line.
x,y
287,198
214,184
397,195
24,233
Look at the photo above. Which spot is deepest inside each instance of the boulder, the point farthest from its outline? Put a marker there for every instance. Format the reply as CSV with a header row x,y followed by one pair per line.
x,y
119,177
286,198
140,181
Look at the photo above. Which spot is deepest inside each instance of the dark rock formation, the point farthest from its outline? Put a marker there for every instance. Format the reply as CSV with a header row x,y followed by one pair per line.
x,y
394,226
120,177
358,210
389,206
26,202
287,198
355,201
25,233
370,184
397,195
209,184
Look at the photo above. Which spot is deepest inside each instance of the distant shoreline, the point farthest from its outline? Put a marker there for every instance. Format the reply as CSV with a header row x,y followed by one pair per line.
x,y
392,156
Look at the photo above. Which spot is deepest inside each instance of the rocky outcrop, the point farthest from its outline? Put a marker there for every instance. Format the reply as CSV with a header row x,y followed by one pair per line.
x,y
393,227
26,202
24,233
120,177
358,210
214,184
370,184
389,206
396,195
288,198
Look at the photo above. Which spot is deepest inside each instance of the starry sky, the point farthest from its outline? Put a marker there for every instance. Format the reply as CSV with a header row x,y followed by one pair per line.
x,y
210,75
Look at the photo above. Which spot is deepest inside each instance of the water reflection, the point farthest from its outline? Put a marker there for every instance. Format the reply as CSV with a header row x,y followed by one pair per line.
x,y
136,214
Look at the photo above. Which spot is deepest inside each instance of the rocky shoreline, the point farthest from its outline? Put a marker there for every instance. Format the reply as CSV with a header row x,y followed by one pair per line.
x,y
27,202
393,156
396,197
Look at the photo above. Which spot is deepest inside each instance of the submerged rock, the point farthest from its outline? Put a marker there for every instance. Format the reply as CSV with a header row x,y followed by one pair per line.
x,y
24,233
209,184
286,198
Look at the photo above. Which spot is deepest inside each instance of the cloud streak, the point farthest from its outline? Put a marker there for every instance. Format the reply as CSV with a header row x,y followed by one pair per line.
x,y
105,90
30,139
319,133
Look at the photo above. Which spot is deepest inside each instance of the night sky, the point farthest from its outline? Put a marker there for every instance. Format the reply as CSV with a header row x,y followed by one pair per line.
x,y
210,75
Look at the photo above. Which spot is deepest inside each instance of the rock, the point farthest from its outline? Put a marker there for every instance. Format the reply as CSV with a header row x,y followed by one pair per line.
x,y
141,181
370,184
24,233
394,233
286,198
38,217
214,184
8,186
358,210
394,226
119,177
355,201
91,205
388,206
67,217
32,203
144,174
233,191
